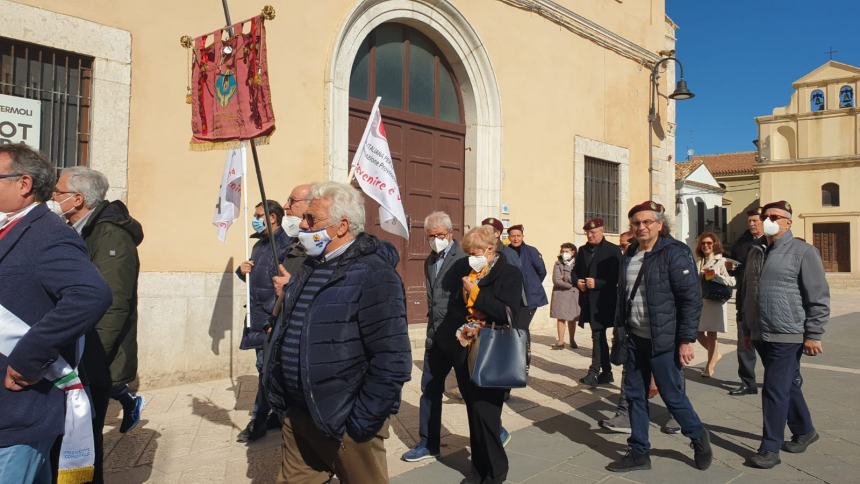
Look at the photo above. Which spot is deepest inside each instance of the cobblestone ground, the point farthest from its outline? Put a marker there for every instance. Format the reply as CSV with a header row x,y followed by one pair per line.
x,y
189,431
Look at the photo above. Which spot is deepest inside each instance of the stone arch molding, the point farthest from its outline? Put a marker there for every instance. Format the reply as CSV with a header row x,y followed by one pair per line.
x,y
465,52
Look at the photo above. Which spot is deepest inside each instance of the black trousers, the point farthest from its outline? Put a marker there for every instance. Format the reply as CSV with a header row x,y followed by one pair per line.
x,y
600,351
100,397
746,361
484,408
438,362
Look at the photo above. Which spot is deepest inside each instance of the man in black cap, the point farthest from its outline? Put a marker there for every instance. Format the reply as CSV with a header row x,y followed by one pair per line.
x,y
786,306
596,269
662,303
746,356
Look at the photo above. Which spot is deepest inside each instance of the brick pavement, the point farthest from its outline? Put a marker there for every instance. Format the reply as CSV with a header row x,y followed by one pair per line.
x,y
189,431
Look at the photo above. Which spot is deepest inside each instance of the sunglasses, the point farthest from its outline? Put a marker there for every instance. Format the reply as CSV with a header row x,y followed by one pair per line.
x,y
774,218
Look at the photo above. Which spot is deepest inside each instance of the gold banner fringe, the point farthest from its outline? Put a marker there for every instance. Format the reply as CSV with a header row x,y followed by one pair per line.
x,y
225,145
78,475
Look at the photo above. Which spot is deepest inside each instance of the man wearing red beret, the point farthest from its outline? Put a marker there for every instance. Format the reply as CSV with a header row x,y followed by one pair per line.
x,y
659,319
596,271
787,305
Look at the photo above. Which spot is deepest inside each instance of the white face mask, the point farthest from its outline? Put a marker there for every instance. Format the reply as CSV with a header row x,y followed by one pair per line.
x,y
438,245
291,225
770,227
56,207
566,256
315,241
477,262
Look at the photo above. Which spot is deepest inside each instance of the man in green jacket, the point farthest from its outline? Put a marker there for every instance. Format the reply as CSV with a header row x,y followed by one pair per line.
x,y
111,235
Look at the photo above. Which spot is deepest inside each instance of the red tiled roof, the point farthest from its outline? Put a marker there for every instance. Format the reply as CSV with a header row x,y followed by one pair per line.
x,y
739,163
684,168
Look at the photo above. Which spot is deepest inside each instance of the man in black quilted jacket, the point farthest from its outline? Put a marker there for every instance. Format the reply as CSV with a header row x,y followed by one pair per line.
x,y
662,301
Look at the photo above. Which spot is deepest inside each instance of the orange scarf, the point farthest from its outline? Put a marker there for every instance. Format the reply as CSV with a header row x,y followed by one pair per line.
x,y
472,296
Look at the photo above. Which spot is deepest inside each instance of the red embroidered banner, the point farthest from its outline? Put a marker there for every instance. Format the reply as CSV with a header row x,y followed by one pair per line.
x,y
230,96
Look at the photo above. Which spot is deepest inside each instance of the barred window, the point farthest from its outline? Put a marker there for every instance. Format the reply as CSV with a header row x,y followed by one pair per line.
x,y
62,82
601,192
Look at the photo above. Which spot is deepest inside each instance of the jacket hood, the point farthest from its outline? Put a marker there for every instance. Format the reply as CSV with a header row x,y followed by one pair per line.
x,y
116,213
366,244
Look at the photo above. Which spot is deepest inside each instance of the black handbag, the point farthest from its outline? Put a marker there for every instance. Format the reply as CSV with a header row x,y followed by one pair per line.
x,y
498,357
715,291
618,353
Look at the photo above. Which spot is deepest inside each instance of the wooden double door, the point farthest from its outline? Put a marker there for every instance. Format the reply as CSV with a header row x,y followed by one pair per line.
x,y
429,163
833,241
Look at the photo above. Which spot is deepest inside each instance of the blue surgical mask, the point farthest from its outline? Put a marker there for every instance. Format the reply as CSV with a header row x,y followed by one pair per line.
x,y
259,225
314,241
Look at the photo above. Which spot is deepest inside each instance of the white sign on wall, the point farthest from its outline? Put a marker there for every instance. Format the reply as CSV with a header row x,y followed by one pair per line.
x,y
20,120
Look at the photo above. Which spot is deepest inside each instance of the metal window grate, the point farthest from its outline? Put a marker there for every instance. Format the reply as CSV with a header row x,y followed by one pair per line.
x,y
62,81
601,192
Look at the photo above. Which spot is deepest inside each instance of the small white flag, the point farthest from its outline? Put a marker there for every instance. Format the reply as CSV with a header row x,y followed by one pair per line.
x,y
374,171
230,193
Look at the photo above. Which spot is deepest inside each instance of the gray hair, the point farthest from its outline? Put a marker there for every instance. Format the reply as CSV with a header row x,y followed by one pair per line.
x,y
30,162
92,184
346,203
438,219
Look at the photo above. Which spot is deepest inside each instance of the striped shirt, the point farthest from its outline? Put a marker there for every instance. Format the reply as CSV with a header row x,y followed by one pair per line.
x,y
638,316
291,349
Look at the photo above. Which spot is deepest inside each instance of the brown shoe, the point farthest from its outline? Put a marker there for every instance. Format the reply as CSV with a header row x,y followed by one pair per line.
x,y
557,346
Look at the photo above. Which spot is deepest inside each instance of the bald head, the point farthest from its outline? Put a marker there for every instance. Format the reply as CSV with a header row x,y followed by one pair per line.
x,y
299,200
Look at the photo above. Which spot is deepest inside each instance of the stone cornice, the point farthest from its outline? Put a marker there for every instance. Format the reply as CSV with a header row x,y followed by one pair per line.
x,y
809,163
587,29
831,113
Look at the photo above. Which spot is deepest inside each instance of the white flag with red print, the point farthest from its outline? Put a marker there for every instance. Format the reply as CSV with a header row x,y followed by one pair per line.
x,y
230,193
374,171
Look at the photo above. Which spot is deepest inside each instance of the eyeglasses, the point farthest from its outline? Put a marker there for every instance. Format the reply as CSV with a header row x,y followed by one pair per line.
x,y
707,243
58,192
291,200
774,217
643,223
309,219
437,236
11,175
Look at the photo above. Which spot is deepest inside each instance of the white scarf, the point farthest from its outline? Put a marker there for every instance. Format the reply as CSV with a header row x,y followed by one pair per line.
x,y
77,450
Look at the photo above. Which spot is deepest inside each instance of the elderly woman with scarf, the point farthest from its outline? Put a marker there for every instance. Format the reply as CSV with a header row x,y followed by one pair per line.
x,y
493,292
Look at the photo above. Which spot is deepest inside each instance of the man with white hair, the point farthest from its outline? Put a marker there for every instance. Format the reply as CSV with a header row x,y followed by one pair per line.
x,y
444,269
340,350
111,236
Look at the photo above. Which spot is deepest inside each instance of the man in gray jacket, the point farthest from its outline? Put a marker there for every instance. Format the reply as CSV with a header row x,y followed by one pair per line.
x,y
444,269
787,304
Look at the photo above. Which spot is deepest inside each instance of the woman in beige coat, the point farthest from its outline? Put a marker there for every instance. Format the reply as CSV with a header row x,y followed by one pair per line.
x,y
565,296
712,266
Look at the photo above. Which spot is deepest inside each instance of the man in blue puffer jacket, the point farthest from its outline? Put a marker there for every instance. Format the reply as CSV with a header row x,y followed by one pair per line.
x,y
660,301
340,351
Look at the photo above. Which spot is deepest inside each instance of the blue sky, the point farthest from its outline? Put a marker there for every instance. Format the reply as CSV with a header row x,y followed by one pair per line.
x,y
740,58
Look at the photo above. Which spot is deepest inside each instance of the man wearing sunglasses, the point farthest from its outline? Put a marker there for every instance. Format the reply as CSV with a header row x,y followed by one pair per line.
x,y
786,305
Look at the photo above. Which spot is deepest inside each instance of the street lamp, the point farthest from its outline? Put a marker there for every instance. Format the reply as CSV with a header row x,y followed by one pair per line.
x,y
681,93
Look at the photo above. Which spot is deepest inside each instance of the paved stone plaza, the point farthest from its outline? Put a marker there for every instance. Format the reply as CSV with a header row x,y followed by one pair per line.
x,y
189,431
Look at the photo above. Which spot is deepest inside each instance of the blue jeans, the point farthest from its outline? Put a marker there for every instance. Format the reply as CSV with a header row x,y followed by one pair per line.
x,y
261,403
638,368
26,464
781,398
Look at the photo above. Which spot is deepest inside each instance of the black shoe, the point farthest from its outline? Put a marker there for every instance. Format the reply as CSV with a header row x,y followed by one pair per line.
x,y
799,443
574,346
255,430
605,377
743,390
764,459
590,379
671,426
630,462
702,453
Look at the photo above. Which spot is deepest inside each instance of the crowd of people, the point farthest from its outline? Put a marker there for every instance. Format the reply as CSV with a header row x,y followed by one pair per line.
x,y
327,321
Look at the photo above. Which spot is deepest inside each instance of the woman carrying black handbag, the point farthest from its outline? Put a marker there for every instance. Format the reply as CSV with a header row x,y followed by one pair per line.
x,y
492,290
